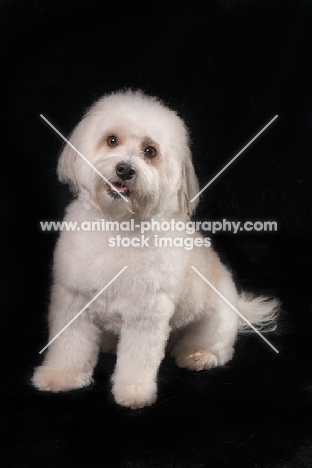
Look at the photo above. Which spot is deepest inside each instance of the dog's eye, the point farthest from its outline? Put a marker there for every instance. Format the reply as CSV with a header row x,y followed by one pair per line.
x,y
112,140
150,152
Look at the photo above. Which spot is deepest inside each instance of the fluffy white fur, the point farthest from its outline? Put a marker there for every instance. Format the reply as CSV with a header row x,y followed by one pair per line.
x,y
159,294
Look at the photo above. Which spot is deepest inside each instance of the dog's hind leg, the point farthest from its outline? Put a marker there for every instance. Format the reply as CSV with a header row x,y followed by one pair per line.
x,y
208,342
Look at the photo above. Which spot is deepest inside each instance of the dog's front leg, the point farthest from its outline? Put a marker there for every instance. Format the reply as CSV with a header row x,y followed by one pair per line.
x,y
71,357
140,350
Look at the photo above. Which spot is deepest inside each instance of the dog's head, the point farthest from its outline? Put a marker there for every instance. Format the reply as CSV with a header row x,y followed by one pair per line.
x,y
141,149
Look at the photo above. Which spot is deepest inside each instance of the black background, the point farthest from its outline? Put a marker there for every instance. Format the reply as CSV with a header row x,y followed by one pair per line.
x,y
228,67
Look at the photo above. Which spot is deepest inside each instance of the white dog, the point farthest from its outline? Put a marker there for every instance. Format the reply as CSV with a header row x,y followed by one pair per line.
x,y
141,148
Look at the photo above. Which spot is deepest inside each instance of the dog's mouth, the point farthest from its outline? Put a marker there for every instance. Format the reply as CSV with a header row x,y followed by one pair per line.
x,y
117,188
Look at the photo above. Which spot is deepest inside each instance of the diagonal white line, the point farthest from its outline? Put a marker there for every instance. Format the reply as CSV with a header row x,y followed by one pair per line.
x,y
234,308
83,157
85,307
233,159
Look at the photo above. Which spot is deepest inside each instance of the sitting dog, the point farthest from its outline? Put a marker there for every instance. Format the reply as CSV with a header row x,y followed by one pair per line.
x,y
140,169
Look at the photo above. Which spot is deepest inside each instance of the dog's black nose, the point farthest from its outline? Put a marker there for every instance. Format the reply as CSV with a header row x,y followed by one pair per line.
x,y
125,171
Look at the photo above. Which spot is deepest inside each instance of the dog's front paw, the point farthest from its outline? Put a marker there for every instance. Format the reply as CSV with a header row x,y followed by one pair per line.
x,y
52,379
135,395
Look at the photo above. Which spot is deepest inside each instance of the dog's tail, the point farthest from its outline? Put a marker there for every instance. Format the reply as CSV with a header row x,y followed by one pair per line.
x,y
260,311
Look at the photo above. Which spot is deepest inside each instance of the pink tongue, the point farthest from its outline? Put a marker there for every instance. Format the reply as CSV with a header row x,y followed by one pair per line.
x,y
120,188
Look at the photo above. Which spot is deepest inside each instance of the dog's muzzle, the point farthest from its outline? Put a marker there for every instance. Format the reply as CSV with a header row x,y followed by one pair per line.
x,y
125,172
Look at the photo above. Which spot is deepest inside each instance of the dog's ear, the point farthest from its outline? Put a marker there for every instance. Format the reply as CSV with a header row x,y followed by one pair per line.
x,y
66,167
68,164
189,188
